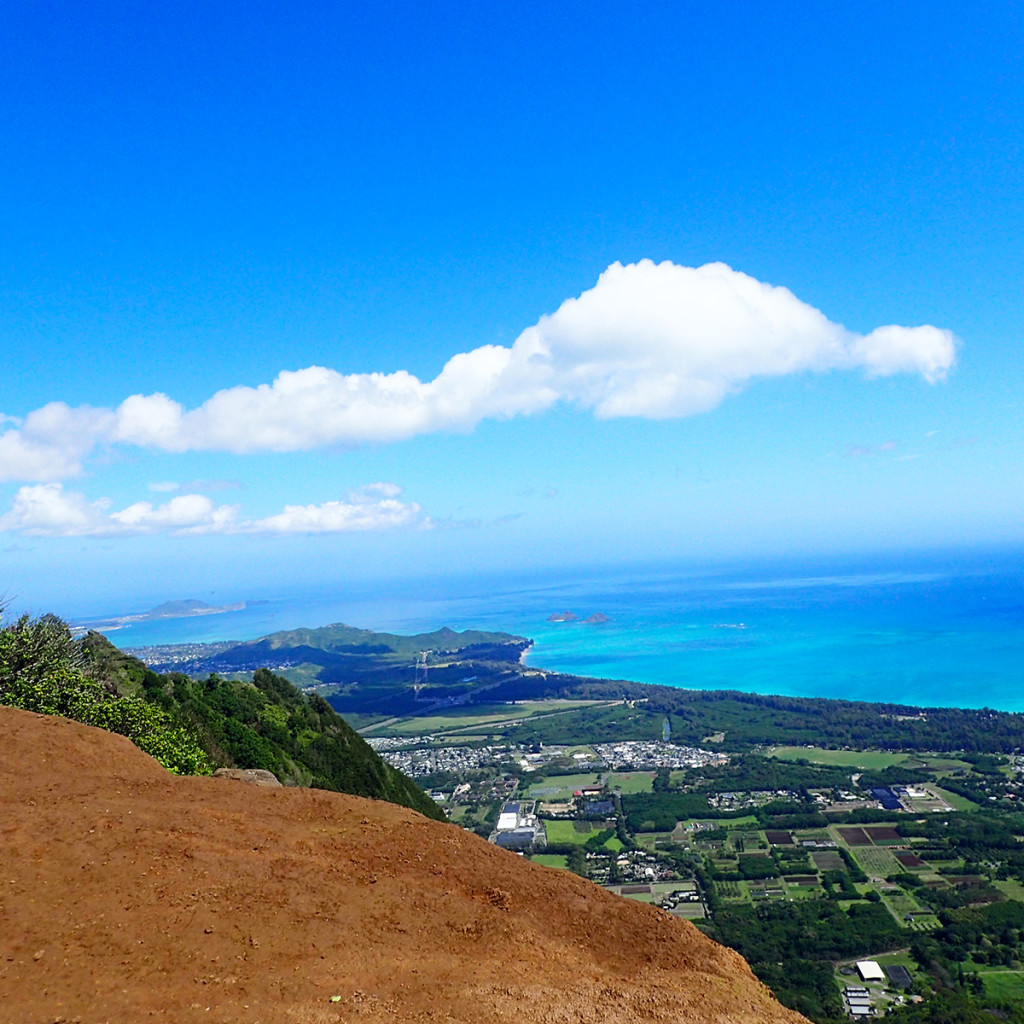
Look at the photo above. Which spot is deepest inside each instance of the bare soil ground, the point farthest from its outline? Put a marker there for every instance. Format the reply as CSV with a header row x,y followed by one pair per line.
x,y
129,895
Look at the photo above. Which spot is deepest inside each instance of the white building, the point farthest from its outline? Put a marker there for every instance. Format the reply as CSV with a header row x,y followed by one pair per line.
x,y
870,971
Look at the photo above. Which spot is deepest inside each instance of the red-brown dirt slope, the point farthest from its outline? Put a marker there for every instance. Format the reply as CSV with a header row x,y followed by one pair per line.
x,y
127,894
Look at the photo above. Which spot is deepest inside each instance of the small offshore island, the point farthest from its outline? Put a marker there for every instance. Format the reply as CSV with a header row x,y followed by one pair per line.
x,y
593,620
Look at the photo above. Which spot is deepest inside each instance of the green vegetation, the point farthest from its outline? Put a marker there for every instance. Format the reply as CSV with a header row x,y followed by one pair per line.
x,y
40,671
192,726
1003,984
375,673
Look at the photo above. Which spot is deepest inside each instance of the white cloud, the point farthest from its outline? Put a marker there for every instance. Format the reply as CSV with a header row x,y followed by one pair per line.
x,y
47,510
375,507
184,514
648,340
660,340
164,486
51,442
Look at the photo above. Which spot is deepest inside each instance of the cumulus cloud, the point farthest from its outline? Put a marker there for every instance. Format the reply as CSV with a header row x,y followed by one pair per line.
x,y
648,340
374,507
51,442
47,510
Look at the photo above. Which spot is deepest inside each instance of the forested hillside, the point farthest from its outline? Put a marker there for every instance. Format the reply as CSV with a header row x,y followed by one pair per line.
x,y
192,726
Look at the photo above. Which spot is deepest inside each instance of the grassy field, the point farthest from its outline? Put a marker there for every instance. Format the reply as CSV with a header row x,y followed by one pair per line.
x,y
551,860
937,762
566,832
1002,983
871,760
957,802
890,959
561,787
631,782
1012,888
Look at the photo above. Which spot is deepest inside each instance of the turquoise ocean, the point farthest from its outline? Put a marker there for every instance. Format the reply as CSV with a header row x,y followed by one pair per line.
x,y
926,631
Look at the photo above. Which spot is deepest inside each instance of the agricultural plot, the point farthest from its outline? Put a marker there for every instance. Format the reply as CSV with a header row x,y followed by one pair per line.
x,y
854,836
883,835
877,861
910,860
827,860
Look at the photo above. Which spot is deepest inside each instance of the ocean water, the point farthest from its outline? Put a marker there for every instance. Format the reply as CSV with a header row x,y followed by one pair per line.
x,y
926,632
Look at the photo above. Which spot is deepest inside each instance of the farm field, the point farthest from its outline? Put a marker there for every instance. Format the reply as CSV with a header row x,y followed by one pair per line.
x,y
876,861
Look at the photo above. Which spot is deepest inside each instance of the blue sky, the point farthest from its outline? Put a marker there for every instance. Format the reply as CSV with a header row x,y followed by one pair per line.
x,y
317,292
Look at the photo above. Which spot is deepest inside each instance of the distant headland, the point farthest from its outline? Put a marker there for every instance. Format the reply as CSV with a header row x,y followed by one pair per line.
x,y
168,610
